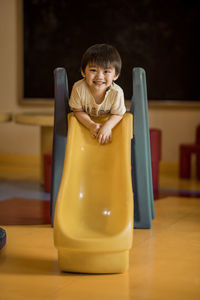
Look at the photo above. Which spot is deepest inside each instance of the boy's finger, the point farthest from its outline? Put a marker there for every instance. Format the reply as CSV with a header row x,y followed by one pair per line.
x,y
106,140
99,137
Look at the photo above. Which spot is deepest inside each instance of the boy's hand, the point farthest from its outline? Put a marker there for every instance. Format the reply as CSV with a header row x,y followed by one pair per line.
x,y
94,129
105,134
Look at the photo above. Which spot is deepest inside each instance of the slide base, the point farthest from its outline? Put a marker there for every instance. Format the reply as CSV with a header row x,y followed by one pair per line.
x,y
90,262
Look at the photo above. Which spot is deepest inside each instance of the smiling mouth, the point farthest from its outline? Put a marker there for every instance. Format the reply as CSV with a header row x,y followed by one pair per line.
x,y
98,82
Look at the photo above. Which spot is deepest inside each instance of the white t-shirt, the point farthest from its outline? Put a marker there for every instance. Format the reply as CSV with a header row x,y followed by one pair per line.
x,y
81,99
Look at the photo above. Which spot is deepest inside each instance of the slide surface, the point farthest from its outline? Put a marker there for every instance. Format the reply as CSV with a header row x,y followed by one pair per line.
x,y
94,207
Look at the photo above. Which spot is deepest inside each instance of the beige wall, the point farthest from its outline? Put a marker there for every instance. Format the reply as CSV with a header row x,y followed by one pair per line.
x,y
15,138
177,125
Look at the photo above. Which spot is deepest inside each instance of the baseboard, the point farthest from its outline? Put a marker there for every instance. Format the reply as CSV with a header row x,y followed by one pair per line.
x,y
16,166
172,168
169,168
20,167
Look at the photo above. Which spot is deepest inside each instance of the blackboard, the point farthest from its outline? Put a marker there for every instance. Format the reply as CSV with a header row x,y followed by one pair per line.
x,y
160,36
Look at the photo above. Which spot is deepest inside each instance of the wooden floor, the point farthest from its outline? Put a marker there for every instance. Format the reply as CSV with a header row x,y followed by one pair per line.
x,y
164,261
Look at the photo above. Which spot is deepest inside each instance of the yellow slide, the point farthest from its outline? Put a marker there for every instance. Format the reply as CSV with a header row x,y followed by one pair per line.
x,y
94,209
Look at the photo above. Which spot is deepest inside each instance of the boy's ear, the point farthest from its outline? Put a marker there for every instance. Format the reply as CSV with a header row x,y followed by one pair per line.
x,y
116,77
82,73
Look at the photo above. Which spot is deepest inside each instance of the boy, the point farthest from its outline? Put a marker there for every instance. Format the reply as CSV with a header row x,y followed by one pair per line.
x,y
97,94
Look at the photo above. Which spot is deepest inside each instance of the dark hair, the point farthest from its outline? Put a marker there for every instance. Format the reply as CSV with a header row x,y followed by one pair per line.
x,y
103,55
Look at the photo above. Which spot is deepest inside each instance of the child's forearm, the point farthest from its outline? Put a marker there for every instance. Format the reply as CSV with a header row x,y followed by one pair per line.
x,y
84,118
113,121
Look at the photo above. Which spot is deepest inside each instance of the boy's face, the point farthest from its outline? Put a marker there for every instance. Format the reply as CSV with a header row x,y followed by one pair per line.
x,y
98,78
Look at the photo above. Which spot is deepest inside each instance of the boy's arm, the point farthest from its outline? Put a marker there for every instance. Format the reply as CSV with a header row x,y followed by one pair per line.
x,y
113,120
105,133
85,119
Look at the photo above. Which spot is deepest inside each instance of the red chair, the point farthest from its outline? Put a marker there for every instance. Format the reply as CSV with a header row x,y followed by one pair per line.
x,y
186,150
155,142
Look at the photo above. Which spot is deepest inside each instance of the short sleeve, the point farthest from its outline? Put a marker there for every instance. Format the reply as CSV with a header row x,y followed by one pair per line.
x,y
75,100
118,106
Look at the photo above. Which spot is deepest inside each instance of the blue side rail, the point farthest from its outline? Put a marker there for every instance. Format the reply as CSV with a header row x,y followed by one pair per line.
x,y
61,109
141,155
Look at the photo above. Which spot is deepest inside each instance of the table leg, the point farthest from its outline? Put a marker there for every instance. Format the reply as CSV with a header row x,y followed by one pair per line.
x,y
198,166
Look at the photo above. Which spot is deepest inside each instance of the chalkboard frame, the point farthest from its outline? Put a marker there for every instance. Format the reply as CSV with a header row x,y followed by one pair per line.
x,y
38,102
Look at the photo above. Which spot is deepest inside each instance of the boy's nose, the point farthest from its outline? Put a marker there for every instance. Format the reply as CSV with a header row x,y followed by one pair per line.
x,y
99,75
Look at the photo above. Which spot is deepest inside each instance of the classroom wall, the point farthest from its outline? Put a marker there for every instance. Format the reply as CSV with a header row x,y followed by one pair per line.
x,y
15,138
177,125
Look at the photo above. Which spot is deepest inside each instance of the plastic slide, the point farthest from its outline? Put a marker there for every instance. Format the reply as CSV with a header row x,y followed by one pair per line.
x,y
93,222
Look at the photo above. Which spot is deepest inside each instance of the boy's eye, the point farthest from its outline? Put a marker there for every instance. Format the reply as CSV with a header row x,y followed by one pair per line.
x,y
107,71
92,70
